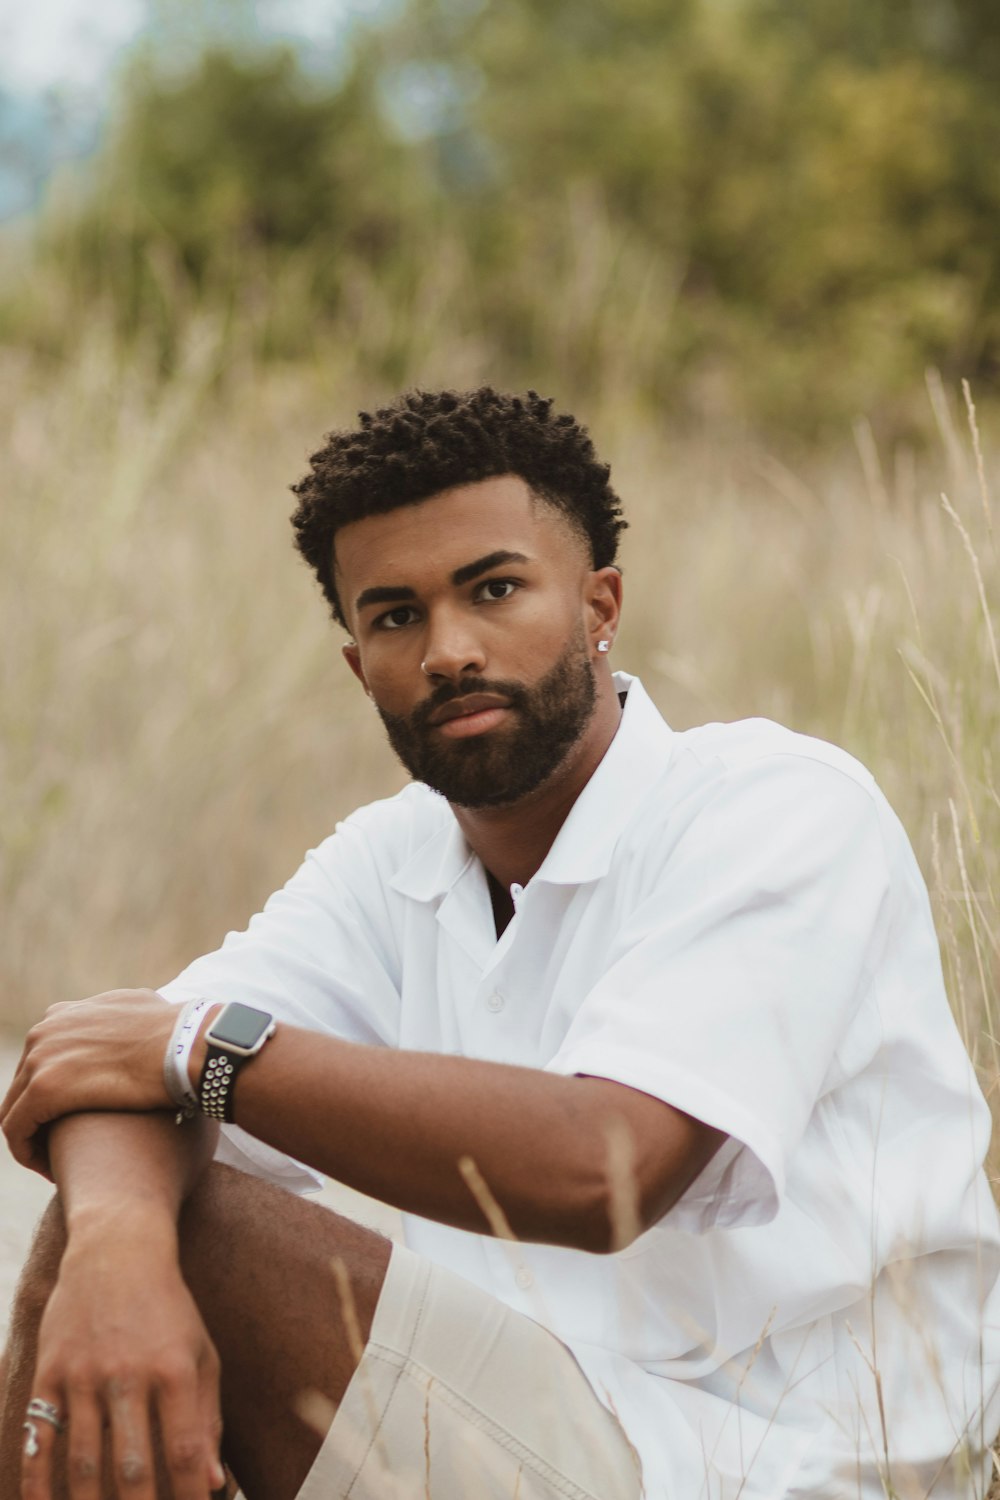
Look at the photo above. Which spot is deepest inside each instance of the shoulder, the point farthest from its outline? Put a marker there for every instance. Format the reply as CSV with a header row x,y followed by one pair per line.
x,y
750,747
756,792
758,760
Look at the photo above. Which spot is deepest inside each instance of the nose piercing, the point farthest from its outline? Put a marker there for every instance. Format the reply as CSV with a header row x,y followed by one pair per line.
x,y
423,668
604,645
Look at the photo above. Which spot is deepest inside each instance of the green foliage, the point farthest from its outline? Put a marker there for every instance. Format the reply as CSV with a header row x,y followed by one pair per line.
x,y
782,213
825,190
243,156
218,183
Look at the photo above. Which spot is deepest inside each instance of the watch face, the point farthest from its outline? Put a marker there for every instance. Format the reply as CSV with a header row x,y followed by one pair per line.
x,y
239,1026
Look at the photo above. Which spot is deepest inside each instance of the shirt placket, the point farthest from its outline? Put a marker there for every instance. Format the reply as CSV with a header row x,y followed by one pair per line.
x,y
497,1023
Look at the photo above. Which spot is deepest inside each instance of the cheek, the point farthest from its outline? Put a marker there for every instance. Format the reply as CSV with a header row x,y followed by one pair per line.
x,y
546,624
394,679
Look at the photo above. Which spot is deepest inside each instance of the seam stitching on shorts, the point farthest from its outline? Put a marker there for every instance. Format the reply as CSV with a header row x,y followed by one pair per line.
x,y
372,1349
462,1404
378,1428
421,1309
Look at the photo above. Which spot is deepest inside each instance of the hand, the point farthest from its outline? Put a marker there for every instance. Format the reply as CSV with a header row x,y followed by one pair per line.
x,y
122,1338
105,1053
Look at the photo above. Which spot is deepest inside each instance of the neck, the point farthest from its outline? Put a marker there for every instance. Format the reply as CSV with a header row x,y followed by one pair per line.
x,y
513,841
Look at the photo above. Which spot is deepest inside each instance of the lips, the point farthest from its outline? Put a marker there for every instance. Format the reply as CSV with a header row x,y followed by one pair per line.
x,y
471,703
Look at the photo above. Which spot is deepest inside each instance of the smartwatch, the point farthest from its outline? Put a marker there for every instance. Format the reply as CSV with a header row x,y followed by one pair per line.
x,y
235,1036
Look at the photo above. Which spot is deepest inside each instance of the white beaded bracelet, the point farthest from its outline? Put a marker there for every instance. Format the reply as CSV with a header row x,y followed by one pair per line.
x,y
175,1060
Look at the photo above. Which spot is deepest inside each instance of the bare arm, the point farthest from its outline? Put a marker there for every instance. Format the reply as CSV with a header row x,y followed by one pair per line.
x,y
105,1164
584,1162
121,1334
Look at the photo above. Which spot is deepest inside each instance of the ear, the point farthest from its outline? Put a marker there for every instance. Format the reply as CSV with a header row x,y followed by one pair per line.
x,y
603,604
352,656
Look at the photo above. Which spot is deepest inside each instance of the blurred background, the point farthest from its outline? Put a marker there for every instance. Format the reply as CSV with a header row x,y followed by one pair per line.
x,y
754,244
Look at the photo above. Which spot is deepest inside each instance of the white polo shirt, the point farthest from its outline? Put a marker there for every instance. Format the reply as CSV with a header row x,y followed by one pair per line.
x,y
730,919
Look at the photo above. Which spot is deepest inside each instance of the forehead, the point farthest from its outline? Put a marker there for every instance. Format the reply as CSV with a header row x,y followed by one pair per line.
x,y
417,543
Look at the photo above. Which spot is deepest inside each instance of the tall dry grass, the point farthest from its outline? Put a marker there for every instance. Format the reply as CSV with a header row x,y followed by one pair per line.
x,y
176,726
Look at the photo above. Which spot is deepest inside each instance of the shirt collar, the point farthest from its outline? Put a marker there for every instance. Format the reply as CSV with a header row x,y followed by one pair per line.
x,y
582,850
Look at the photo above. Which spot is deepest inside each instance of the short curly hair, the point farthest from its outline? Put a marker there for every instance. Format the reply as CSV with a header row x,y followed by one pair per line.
x,y
429,441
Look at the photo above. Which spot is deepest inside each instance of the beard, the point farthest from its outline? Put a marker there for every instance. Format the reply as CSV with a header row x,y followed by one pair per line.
x,y
504,764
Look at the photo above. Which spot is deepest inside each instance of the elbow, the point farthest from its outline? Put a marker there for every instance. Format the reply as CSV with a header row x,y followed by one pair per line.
x,y
598,1236
603,1231
632,1171
626,1158
610,1215
578,1212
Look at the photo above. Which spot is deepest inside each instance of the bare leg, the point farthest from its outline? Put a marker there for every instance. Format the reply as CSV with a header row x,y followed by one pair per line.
x,y
37,1281
258,1263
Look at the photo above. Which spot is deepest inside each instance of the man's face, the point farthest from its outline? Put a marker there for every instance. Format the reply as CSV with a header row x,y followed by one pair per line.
x,y
474,636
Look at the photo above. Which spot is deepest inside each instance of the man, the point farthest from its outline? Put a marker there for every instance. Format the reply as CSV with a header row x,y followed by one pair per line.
x,y
644,1032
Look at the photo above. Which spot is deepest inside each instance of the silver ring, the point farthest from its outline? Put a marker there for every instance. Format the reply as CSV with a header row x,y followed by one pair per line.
x,y
46,1412
41,1411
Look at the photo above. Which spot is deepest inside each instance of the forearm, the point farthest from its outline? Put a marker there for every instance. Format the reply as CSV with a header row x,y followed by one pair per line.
x,y
108,1166
397,1125
585,1162
122,1349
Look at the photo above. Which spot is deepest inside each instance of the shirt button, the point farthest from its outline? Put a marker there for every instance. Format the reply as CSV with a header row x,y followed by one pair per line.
x,y
524,1278
516,890
495,1001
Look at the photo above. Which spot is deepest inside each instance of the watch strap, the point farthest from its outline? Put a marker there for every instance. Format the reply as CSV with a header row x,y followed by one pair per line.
x,y
175,1062
225,1056
215,1087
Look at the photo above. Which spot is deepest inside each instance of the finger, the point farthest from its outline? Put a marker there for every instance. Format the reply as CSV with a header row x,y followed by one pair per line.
x,y
133,1474
189,1449
40,1438
84,1446
13,1129
20,1128
210,1406
16,1086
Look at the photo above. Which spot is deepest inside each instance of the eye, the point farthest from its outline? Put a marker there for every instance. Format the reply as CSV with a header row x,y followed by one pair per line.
x,y
498,588
395,619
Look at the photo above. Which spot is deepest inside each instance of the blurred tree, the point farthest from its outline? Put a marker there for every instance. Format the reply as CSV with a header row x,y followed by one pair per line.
x,y
245,154
234,173
736,206
823,183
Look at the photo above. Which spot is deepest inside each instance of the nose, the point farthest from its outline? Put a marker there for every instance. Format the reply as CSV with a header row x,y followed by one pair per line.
x,y
453,650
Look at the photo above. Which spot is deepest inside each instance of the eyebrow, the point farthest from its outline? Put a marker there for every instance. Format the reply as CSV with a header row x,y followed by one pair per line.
x,y
484,564
393,593
383,594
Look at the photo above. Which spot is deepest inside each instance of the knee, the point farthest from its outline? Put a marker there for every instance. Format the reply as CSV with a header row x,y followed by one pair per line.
x,y
224,1203
41,1269
219,1196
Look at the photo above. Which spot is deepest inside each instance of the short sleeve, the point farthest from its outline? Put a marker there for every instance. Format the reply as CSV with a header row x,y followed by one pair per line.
x,y
739,971
321,955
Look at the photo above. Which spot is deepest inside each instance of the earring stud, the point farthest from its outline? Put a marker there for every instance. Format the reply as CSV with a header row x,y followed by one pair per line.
x,y
604,645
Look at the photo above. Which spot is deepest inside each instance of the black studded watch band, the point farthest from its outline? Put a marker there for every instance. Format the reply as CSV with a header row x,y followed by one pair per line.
x,y
215,1087
235,1036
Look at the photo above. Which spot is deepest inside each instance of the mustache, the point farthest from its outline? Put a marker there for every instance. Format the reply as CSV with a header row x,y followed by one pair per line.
x,y
514,692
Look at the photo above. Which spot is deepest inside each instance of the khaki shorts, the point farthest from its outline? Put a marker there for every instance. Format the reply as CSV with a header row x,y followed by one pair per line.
x,y
458,1397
